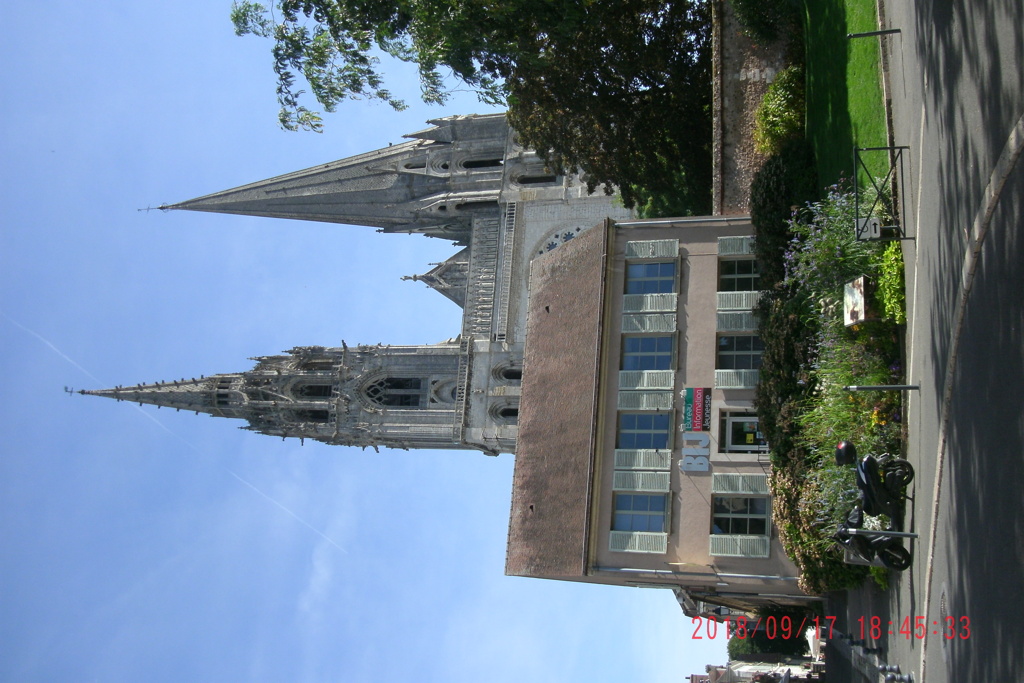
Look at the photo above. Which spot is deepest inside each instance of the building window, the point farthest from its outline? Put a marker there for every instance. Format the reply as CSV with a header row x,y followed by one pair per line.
x,y
312,415
739,276
481,163
739,433
398,392
511,374
317,364
739,516
314,391
651,278
643,430
640,512
647,353
537,180
476,206
741,352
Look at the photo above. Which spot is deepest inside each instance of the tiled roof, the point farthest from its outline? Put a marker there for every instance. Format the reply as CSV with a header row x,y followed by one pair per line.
x,y
548,526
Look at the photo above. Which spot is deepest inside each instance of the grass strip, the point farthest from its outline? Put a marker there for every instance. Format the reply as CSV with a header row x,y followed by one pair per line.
x,y
845,104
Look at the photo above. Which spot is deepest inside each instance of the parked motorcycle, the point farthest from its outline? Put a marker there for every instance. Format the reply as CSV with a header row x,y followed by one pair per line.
x,y
882,482
888,549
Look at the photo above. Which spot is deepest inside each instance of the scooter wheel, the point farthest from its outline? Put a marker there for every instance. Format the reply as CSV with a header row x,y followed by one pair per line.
x,y
895,557
902,470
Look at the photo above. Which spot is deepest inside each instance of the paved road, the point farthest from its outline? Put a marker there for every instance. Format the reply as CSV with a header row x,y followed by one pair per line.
x,y
956,77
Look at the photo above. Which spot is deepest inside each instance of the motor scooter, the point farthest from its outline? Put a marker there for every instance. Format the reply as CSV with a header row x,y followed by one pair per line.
x,y
888,549
882,481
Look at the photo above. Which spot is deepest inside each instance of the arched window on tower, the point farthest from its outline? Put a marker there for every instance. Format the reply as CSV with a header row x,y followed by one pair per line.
x,y
398,392
476,206
317,364
313,391
312,415
512,374
546,179
508,373
505,413
481,163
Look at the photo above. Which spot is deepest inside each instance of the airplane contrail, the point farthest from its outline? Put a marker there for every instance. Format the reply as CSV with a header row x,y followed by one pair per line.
x,y
167,429
51,345
292,514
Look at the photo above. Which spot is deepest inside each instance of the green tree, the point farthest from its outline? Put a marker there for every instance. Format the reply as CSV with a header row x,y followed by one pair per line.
x,y
625,96
618,90
777,631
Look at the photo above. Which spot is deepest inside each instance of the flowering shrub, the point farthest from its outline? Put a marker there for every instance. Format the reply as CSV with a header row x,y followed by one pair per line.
x,y
785,181
824,252
809,357
869,419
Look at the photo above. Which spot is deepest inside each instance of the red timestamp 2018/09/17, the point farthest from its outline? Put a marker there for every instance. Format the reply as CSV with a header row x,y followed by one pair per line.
x,y
770,627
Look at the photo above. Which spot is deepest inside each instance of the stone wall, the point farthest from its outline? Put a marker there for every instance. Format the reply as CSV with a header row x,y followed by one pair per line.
x,y
742,72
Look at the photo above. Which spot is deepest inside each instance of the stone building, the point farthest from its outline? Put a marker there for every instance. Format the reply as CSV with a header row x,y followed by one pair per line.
x,y
617,358
464,179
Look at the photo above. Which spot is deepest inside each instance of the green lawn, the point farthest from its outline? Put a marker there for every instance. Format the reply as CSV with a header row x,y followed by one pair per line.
x,y
844,92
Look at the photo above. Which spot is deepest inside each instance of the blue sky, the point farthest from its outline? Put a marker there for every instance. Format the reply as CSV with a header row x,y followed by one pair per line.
x,y
144,544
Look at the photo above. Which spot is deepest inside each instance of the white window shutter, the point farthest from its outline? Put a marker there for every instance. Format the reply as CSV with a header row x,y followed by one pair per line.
x,y
649,303
723,545
646,379
736,246
736,379
642,459
656,322
736,321
654,482
638,542
645,400
748,484
660,249
737,301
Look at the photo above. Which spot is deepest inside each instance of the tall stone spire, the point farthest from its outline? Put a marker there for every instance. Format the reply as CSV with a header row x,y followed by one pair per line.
x,y
467,179
394,396
199,395
433,184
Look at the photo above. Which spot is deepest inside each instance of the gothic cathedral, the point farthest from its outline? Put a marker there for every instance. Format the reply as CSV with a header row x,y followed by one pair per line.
x,y
465,179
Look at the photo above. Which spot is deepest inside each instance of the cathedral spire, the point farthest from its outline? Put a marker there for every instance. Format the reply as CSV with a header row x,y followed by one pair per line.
x,y
431,184
199,395
368,395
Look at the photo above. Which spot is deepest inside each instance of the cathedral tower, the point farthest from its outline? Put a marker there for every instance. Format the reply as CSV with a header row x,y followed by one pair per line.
x,y
465,179
393,396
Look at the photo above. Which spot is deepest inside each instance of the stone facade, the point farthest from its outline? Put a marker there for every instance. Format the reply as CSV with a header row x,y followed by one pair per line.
x,y
544,364
743,70
465,179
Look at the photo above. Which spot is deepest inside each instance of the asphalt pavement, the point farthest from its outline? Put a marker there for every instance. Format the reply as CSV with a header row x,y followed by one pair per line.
x,y
956,83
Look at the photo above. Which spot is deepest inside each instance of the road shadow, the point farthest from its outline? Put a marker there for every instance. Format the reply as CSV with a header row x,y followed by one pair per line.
x,y
971,56
985,460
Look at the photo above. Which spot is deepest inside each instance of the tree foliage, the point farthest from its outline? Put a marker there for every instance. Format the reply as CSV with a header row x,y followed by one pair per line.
x,y
625,97
618,90
777,631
